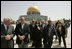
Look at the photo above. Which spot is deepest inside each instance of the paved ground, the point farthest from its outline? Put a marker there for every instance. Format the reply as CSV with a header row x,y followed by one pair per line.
x,y
55,43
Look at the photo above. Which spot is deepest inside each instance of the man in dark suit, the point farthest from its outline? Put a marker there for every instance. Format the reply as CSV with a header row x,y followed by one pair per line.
x,y
22,30
31,26
7,33
42,30
49,31
42,25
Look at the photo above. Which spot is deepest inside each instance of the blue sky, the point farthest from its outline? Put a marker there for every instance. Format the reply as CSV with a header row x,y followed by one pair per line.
x,y
53,9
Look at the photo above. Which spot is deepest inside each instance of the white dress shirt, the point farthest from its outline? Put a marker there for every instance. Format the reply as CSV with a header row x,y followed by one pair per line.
x,y
22,25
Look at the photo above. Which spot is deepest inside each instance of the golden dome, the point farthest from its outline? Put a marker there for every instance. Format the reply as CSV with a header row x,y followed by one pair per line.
x,y
33,8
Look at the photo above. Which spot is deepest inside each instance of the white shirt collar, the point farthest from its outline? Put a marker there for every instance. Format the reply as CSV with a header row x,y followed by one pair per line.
x,y
5,26
22,24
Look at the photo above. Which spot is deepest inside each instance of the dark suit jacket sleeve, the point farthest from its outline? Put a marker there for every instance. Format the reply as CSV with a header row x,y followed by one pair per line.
x,y
2,32
16,29
12,35
27,29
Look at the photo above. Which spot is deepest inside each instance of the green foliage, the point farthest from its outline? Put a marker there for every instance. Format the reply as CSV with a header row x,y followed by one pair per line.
x,y
66,20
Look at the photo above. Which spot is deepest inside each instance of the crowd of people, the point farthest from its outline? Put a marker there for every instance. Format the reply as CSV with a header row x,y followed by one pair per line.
x,y
37,31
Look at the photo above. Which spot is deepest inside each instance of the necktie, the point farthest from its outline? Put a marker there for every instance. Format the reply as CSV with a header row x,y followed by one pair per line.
x,y
43,26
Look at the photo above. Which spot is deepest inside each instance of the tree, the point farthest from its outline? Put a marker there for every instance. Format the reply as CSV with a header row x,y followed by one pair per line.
x,y
66,20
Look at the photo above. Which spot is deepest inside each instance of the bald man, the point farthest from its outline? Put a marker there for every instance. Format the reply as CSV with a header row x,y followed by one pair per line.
x,y
7,34
21,32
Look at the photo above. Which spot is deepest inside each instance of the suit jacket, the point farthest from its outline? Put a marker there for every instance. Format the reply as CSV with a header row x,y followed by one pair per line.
x,y
7,43
20,31
31,31
48,30
37,35
42,29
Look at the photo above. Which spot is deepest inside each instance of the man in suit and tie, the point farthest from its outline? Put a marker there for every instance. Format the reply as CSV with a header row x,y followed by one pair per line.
x,y
7,33
42,30
21,31
42,25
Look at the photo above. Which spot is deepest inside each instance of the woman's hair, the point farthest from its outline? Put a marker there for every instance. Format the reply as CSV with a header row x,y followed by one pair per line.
x,y
37,22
